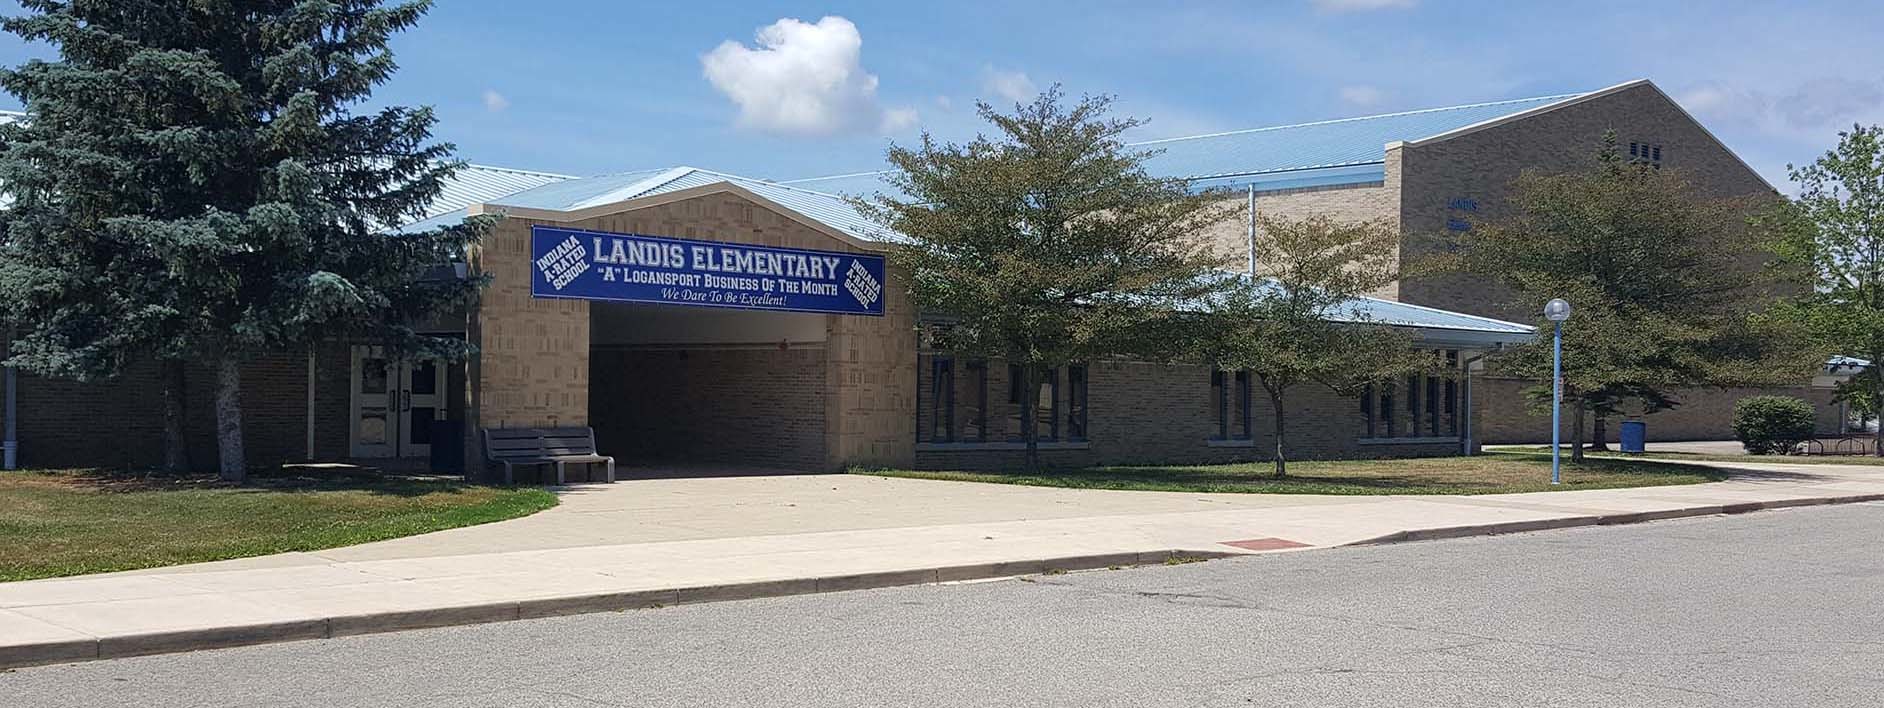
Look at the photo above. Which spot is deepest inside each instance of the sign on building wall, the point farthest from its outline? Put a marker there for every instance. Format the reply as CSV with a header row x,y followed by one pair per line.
x,y
595,265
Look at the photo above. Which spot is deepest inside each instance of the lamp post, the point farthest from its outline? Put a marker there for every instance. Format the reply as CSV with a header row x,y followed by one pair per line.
x,y
1556,311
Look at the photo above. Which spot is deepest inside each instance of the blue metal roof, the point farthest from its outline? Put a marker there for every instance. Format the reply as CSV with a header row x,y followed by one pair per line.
x,y
576,194
1435,327
475,184
1324,153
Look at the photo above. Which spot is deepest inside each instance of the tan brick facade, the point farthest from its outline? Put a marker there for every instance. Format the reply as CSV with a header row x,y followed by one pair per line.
x,y
1141,412
1444,180
534,363
1704,414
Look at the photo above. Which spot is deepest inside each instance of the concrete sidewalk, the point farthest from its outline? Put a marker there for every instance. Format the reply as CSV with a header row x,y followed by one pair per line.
x,y
661,542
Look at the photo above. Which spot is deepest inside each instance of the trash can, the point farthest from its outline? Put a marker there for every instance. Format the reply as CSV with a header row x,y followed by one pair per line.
x,y
1634,436
447,446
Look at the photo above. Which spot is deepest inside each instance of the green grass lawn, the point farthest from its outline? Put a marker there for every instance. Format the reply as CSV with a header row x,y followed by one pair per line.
x,y
70,522
1491,473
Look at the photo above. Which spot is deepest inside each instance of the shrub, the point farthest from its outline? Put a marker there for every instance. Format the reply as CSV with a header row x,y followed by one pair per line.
x,y
1769,425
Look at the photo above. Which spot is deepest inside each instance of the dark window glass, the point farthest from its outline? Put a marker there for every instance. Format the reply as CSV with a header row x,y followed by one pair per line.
x,y
976,421
1432,406
942,394
1219,403
425,377
1076,403
1386,409
1413,406
1367,409
422,424
1242,418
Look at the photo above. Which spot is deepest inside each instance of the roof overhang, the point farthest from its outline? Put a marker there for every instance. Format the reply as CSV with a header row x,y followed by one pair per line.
x,y
655,200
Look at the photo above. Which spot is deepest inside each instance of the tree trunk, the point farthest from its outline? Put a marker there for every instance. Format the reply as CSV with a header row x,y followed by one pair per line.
x,y
1576,433
1599,435
176,451
232,464
1030,429
1877,436
1282,460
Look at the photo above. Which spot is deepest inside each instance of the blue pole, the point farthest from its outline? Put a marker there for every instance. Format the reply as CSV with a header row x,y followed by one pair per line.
x,y
1556,403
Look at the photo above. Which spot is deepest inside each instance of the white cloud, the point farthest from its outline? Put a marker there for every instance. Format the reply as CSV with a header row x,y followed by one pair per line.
x,y
945,103
1009,86
896,120
1812,108
1363,96
1362,5
802,79
494,101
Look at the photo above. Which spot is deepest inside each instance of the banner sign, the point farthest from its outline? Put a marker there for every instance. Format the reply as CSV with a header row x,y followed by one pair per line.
x,y
595,265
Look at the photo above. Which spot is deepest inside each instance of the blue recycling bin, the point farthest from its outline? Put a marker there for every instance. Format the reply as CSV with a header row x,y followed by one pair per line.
x,y
1634,436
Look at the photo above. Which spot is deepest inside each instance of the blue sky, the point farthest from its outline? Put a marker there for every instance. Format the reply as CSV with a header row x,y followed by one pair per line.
x,y
595,86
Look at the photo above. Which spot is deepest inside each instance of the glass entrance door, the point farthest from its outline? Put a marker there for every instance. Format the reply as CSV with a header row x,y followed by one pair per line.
x,y
393,404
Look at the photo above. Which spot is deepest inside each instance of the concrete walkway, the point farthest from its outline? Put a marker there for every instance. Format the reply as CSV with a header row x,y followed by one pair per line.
x,y
658,542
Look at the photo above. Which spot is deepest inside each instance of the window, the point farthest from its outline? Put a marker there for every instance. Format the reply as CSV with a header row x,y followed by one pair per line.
x,y
1645,153
1431,404
942,398
1242,405
1047,406
1367,411
975,423
1229,404
1386,409
1076,403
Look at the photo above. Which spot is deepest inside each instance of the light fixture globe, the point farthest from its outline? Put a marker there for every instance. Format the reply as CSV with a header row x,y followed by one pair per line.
x,y
1557,310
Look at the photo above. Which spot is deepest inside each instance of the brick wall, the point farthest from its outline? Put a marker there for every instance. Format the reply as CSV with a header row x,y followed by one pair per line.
x,y
763,407
1365,202
1704,414
1481,166
1161,413
119,422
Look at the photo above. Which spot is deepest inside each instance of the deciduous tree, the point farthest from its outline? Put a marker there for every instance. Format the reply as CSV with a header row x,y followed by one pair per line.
x,y
1669,288
1048,244
1303,321
1834,230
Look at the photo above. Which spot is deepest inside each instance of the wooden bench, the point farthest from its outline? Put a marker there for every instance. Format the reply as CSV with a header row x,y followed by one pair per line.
x,y
543,446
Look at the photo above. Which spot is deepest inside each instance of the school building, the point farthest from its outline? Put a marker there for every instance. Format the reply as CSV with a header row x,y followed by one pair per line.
x,y
697,317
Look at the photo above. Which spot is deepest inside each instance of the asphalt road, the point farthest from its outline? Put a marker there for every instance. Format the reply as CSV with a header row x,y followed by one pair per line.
x,y
1768,609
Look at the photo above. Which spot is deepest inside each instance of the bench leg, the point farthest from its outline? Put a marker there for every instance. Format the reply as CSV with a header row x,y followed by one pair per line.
x,y
509,474
559,474
611,470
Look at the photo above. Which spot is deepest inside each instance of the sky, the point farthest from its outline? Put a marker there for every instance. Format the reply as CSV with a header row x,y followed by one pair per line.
x,y
798,89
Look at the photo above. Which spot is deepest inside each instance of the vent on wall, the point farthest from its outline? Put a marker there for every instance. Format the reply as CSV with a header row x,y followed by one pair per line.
x,y
1646,153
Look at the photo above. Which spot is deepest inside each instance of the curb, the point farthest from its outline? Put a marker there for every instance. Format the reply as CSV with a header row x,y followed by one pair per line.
x,y
1607,519
121,646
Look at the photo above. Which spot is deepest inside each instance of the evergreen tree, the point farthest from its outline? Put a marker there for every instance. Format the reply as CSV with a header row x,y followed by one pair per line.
x,y
1668,288
1301,322
1835,232
1049,245
193,183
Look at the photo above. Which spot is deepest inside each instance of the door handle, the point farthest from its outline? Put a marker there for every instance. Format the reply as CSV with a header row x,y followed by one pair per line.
x,y
405,401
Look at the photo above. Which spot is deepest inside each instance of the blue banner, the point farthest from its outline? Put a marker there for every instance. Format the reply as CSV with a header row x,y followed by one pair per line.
x,y
595,265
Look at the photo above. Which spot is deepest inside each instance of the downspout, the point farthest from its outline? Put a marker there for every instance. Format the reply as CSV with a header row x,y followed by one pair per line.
x,y
10,448
10,439
310,401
